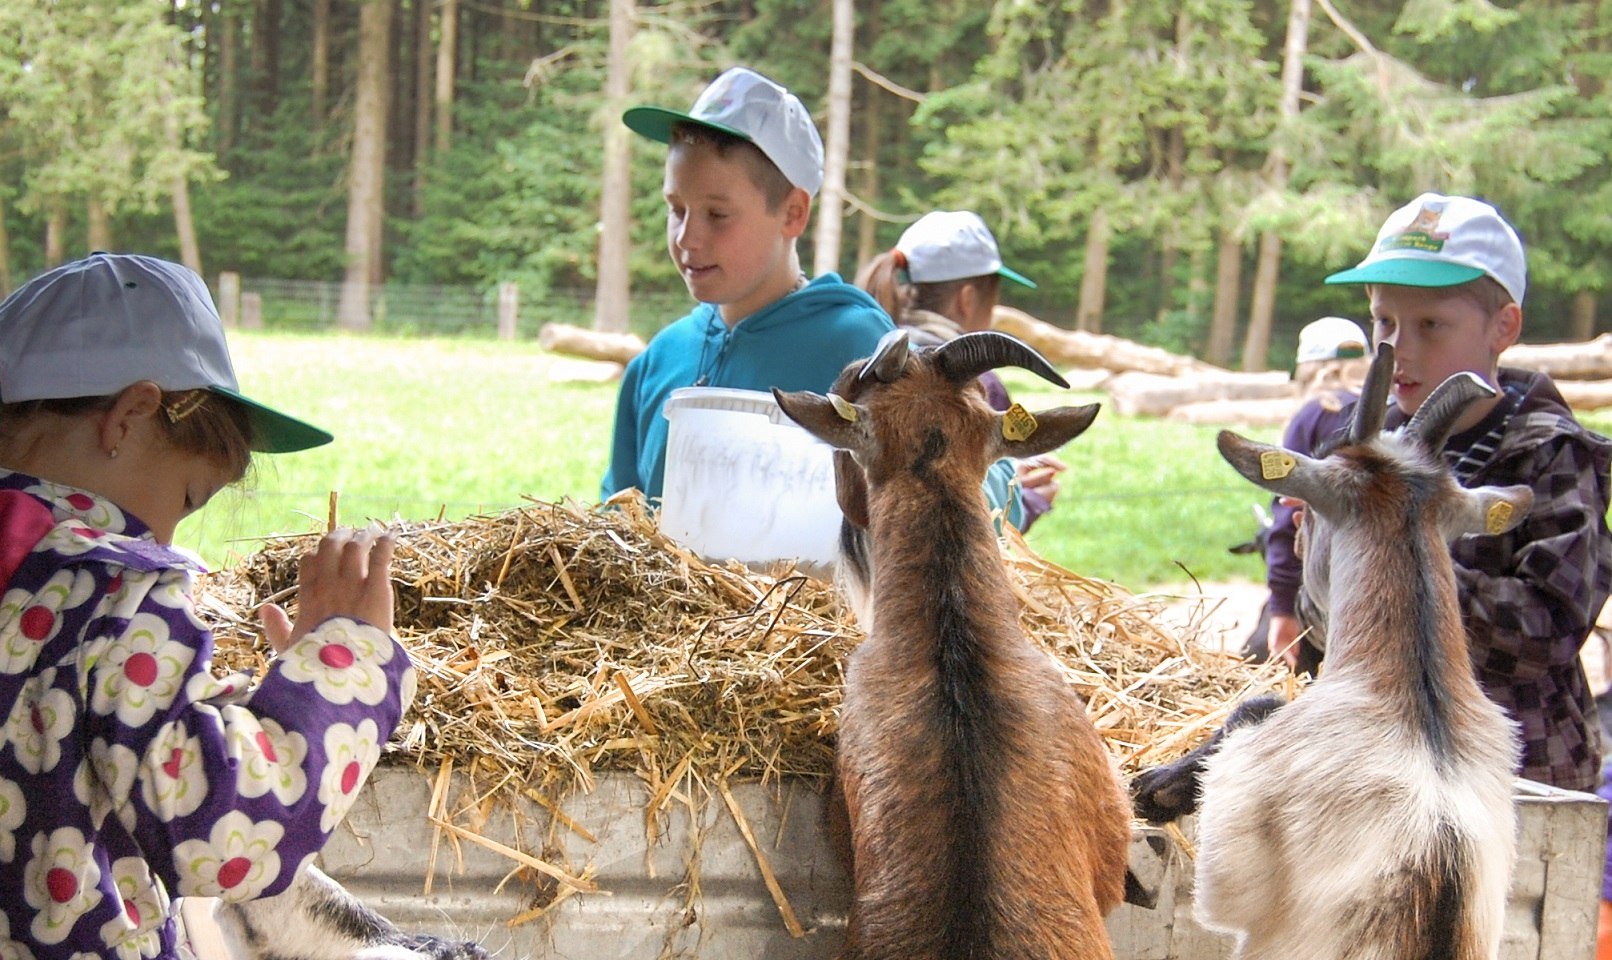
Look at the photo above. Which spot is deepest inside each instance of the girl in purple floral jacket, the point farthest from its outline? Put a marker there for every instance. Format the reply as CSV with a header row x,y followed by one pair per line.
x,y
129,773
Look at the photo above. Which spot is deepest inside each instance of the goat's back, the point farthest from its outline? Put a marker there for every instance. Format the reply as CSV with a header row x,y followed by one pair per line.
x,y
1336,804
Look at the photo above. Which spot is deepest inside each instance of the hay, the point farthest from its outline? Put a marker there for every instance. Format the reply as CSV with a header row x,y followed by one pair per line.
x,y
554,642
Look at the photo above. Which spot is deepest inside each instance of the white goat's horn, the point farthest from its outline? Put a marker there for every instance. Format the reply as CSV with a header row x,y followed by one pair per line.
x,y
889,360
1373,404
972,354
1434,419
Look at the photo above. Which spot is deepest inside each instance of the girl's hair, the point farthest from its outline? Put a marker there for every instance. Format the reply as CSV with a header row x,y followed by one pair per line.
x,y
766,176
885,279
200,422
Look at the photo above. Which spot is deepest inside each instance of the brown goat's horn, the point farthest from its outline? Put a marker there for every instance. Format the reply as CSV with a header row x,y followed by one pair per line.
x,y
1433,420
972,354
889,360
1373,404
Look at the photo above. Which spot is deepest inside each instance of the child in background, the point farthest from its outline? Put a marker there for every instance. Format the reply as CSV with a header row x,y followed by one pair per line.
x,y
943,279
743,166
1329,368
129,774
1446,279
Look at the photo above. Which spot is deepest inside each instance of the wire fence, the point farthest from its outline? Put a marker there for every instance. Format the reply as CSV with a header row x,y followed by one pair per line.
x,y
407,309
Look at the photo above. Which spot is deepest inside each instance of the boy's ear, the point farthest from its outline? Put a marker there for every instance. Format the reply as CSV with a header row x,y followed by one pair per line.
x,y
1507,328
797,212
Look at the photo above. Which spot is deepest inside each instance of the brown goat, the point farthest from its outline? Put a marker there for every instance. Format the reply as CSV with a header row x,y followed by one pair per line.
x,y
986,817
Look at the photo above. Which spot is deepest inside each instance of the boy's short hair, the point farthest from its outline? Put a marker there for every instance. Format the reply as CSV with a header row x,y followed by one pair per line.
x,y
1485,293
1439,241
772,183
744,104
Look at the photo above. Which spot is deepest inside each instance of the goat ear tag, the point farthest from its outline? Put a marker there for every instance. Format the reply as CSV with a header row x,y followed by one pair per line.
x,y
1276,464
1018,423
1498,517
845,408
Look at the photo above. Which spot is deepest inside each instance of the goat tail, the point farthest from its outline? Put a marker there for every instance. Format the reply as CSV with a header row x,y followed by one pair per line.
x,y
1444,911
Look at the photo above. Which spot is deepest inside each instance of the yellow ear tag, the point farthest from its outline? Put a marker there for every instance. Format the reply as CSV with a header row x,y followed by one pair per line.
x,y
1276,464
1018,423
845,408
1499,516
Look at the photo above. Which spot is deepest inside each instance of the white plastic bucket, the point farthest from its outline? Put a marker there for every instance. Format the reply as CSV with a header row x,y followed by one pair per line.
x,y
744,482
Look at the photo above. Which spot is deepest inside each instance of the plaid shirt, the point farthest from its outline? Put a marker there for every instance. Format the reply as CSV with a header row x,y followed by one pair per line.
x,y
1530,597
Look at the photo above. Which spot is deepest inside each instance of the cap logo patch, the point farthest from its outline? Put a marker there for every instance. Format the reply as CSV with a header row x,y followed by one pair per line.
x,y
1422,234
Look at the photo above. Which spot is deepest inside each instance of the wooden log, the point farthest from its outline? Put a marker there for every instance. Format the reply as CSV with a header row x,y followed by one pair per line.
x,y
1148,394
1248,413
1077,348
591,344
584,371
1591,360
1586,394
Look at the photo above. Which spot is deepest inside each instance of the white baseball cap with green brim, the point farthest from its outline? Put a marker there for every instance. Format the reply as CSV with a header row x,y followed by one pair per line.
x,y
953,245
747,105
92,327
1440,241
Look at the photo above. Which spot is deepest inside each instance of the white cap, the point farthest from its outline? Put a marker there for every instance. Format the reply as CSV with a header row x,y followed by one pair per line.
x,y
1439,241
952,245
92,327
1331,338
746,104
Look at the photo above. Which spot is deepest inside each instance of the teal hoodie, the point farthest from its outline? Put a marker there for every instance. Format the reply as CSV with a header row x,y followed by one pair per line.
x,y
798,342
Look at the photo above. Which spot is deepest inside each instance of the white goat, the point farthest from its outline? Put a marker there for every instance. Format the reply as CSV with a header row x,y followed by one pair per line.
x,y
1372,817
986,817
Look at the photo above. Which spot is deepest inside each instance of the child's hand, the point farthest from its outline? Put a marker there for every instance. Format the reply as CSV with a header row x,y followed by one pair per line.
x,y
347,575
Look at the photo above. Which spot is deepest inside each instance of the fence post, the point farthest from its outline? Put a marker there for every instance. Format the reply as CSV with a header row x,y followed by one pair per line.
x,y
229,298
251,311
509,296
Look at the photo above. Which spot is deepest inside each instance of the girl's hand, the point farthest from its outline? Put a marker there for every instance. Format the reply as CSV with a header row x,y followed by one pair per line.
x,y
347,575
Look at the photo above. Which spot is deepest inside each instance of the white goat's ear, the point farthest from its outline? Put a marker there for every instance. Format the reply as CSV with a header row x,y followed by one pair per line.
x,y
833,420
1277,469
1494,510
1020,433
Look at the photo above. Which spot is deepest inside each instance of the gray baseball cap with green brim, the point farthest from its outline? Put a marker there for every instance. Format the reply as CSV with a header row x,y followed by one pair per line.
x,y
745,104
92,327
1442,241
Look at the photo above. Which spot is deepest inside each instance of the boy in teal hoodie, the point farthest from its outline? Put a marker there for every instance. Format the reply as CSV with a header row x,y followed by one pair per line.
x,y
743,167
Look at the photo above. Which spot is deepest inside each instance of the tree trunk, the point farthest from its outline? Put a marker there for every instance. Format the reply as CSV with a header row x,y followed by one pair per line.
x,y
1262,311
56,235
266,56
229,77
320,67
610,298
831,199
872,136
5,253
100,226
447,49
1228,293
184,223
1094,275
422,100
367,171
1583,326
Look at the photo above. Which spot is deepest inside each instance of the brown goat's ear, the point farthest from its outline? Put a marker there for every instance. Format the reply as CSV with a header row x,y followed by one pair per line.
x,y
835,421
1278,470
1023,434
851,488
1492,511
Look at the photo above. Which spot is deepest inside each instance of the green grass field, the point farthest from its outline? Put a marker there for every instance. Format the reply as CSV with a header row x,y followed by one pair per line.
x,y
460,426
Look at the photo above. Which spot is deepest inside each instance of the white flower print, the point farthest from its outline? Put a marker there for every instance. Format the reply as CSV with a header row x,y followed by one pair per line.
x,y
350,754
12,808
268,757
106,781
136,931
342,659
203,687
60,883
9,948
40,718
141,673
28,619
96,511
237,862
175,590
172,781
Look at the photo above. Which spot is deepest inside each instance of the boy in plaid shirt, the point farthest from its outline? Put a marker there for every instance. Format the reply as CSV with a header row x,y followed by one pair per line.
x,y
1446,278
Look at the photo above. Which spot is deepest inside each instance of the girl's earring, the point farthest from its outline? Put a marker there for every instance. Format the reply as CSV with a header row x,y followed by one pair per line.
x,y
112,454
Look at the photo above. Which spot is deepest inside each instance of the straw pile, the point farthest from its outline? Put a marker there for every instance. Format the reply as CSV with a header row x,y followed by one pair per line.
x,y
555,641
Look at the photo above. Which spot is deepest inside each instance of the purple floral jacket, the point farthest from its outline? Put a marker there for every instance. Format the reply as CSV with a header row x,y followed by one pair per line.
x,y
129,773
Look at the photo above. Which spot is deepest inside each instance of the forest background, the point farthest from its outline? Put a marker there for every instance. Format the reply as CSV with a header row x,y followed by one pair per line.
x,y
1183,173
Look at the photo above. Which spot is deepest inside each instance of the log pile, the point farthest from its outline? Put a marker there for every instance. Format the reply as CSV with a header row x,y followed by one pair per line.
x,y
589,344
